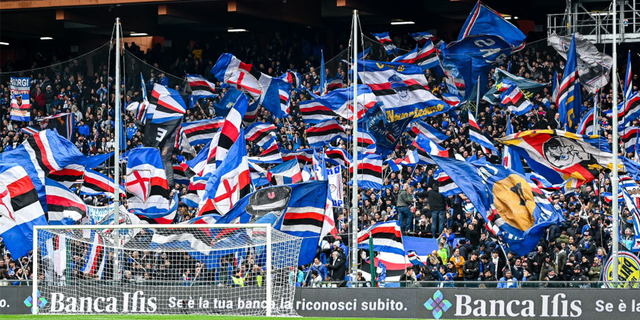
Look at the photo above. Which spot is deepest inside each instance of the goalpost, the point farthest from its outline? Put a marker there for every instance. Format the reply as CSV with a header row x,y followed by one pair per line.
x,y
224,269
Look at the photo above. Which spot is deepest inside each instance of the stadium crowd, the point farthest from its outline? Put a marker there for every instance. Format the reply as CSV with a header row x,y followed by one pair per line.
x,y
572,251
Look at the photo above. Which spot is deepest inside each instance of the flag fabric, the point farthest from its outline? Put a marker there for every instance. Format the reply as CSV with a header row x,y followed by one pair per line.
x,y
402,89
629,137
586,123
451,99
426,57
325,132
227,135
515,101
319,167
366,142
69,175
315,111
302,155
369,171
338,156
260,133
569,98
285,173
528,87
140,109
592,66
334,83
270,155
30,130
387,241
632,109
64,206
160,216
341,101
201,87
284,93
560,155
514,208
430,132
635,217
511,158
304,216
414,258
200,132
485,21
180,174
394,165
98,184
476,135
62,123
421,37
229,182
19,209
446,186
292,78
628,85
424,148
323,75
19,89
165,104
146,181
386,42
91,264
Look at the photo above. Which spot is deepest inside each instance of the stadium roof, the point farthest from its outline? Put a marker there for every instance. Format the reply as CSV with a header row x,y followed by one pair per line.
x,y
22,20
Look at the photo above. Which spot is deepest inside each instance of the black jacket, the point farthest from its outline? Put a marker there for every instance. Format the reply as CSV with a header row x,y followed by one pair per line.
x,y
471,269
337,268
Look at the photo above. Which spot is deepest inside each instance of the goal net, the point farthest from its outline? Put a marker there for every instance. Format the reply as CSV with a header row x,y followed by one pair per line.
x,y
164,269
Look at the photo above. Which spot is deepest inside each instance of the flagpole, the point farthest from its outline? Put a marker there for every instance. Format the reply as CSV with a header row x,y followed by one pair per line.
x,y
477,97
614,170
354,192
116,153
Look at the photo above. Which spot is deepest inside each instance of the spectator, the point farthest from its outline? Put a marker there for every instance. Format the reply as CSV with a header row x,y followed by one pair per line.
x,y
337,266
408,279
405,199
508,281
458,261
471,268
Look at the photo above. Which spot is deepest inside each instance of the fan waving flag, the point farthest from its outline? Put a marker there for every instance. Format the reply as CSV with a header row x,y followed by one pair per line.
x,y
200,132
569,98
513,207
402,88
341,101
146,181
515,101
586,124
387,241
227,136
426,58
423,148
62,123
560,155
271,153
19,210
338,156
386,41
229,182
165,105
260,133
65,207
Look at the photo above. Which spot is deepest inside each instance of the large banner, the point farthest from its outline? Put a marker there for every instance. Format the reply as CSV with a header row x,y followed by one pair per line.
x,y
20,104
419,303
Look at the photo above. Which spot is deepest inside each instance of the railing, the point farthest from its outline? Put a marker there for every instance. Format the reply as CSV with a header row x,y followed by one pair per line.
x,y
595,26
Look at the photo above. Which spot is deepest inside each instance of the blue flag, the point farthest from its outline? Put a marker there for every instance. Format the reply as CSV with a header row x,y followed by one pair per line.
x,y
484,21
514,208
569,97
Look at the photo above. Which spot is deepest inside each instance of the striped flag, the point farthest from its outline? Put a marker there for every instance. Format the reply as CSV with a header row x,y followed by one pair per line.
x,y
386,42
93,255
292,78
146,181
426,58
315,111
628,85
446,186
430,132
62,123
325,132
69,175
515,101
451,99
19,209
229,182
511,158
227,136
569,98
421,37
180,174
369,171
586,124
96,184
338,156
271,153
30,130
387,237
334,83
476,135
630,138
366,142
260,133
165,105
341,101
65,207
200,86
303,155
140,109
200,132
424,147
285,173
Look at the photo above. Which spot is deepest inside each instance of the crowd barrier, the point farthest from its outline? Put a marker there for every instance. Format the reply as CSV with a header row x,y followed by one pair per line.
x,y
425,302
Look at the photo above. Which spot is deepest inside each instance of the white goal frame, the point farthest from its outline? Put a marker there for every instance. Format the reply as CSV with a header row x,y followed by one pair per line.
x,y
268,245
